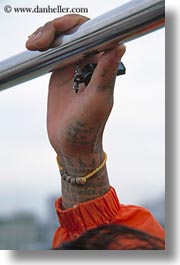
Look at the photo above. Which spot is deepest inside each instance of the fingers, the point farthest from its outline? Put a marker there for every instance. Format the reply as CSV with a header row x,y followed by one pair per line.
x,y
101,86
66,23
44,36
41,38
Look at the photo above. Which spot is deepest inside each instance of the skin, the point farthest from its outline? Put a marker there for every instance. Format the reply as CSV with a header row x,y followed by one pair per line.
x,y
76,122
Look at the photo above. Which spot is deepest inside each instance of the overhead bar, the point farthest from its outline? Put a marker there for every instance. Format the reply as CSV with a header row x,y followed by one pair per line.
x,y
122,24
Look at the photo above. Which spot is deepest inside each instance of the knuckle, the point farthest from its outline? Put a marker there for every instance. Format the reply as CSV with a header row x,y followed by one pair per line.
x,y
47,24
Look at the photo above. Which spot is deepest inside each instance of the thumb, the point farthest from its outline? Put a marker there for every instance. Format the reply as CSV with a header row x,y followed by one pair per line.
x,y
103,79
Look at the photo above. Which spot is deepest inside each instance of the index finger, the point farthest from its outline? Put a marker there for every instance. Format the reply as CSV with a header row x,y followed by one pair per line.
x,y
44,37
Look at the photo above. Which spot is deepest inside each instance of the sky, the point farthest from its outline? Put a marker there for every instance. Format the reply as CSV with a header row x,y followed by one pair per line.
x,y
134,138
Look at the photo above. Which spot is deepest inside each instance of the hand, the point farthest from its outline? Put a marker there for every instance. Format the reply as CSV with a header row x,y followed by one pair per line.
x,y
76,122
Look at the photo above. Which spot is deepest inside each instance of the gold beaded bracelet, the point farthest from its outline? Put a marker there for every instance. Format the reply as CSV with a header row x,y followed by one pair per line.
x,y
80,180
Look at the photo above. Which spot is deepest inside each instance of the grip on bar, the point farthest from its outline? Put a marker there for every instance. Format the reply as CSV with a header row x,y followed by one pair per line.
x,y
88,70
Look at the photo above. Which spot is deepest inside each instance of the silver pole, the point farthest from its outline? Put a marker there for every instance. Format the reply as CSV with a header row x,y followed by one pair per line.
x,y
122,24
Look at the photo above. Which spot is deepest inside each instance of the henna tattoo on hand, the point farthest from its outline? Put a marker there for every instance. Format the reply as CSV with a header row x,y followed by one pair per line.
x,y
77,135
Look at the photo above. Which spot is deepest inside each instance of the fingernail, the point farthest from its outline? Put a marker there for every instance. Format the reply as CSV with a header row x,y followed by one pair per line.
x,y
35,36
38,35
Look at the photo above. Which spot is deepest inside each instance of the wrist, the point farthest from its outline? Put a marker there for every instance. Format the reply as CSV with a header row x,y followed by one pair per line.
x,y
79,164
83,180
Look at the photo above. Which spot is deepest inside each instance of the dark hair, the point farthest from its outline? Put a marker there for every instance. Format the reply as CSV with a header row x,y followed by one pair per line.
x,y
114,237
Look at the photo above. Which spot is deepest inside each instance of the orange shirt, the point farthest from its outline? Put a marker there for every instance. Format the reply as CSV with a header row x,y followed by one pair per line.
x,y
103,210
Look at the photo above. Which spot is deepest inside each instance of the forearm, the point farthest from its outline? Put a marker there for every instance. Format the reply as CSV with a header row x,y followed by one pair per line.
x,y
78,166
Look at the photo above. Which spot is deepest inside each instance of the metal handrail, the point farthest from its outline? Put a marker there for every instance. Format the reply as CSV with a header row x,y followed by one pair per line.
x,y
122,24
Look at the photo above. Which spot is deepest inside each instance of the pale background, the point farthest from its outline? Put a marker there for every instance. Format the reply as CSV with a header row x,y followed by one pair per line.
x,y
134,136
135,133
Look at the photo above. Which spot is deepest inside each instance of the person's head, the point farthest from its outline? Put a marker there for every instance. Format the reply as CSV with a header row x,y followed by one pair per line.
x,y
115,237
